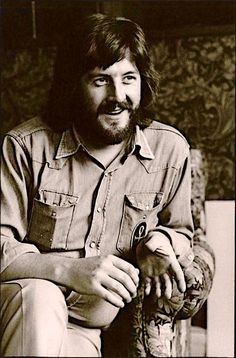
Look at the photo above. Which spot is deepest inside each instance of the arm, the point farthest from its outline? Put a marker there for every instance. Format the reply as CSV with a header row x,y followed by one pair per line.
x,y
168,248
108,277
153,320
200,273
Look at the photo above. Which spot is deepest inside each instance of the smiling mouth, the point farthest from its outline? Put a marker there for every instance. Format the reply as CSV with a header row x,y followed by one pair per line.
x,y
115,111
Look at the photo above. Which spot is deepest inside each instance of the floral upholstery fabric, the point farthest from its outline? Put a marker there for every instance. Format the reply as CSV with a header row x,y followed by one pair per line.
x,y
149,328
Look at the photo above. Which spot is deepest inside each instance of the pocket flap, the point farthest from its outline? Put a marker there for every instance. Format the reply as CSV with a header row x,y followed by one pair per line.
x,y
59,199
144,201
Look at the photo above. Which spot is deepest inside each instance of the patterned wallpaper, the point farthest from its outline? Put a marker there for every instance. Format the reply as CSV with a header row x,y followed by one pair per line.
x,y
196,96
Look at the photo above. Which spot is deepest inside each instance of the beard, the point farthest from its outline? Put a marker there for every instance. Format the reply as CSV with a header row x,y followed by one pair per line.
x,y
92,129
111,134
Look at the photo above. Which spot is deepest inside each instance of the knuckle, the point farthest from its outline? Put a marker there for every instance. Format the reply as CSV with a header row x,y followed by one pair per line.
x,y
107,261
123,277
116,287
96,276
94,285
94,280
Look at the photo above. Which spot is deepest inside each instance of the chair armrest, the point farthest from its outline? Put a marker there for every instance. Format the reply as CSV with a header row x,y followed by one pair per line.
x,y
199,279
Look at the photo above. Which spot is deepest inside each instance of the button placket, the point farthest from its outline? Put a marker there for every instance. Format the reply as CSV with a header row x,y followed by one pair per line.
x,y
98,222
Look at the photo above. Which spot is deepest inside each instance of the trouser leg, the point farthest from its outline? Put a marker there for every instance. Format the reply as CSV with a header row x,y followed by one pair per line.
x,y
34,319
82,342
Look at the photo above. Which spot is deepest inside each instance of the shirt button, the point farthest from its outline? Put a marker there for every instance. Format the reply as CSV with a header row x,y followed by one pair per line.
x,y
147,207
99,210
190,257
92,244
106,174
54,213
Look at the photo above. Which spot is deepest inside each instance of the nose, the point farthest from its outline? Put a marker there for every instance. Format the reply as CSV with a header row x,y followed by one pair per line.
x,y
117,92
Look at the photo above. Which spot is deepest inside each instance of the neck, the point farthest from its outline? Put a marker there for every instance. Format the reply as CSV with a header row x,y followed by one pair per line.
x,y
104,153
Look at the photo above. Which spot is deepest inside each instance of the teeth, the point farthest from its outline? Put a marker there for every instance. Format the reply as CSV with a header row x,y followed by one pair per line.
x,y
115,111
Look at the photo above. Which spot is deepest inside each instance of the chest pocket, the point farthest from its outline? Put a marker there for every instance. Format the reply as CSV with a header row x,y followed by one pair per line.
x,y
140,214
51,220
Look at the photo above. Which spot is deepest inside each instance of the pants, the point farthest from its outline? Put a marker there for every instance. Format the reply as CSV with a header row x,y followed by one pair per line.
x,y
34,322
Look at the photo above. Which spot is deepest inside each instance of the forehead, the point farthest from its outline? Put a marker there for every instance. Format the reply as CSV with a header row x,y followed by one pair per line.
x,y
120,67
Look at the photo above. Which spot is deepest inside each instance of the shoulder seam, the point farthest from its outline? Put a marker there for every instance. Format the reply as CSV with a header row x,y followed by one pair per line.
x,y
172,130
22,132
19,140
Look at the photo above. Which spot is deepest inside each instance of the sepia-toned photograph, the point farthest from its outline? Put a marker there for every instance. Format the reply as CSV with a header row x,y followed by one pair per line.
x,y
117,178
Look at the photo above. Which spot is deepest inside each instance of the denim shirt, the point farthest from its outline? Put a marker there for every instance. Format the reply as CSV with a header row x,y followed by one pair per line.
x,y
57,198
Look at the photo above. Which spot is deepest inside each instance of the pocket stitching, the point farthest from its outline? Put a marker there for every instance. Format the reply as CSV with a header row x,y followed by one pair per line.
x,y
139,205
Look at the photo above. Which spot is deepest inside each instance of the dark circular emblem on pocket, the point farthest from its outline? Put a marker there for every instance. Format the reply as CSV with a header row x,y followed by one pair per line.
x,y
139,232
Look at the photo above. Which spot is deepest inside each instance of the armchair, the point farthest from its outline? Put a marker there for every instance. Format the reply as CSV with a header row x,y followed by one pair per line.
x,y
161,329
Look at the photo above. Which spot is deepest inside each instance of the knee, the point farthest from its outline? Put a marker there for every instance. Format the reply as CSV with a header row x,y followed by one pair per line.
x,y
42,296
42,291
34,317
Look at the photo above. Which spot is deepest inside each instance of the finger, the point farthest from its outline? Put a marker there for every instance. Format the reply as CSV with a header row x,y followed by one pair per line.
x,y
124,279
167,285
128,268
157,286
147,286
115,286
179,275
109,296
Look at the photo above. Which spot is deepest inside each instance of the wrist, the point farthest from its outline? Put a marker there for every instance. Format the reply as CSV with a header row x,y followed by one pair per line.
x,y
63,271
155,240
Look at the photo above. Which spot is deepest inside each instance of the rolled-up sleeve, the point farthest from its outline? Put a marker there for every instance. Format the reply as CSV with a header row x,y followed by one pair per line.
x,y
175,220
16,182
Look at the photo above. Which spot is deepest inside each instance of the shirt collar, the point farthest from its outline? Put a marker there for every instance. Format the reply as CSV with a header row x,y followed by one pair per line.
x,y
70,143
141,142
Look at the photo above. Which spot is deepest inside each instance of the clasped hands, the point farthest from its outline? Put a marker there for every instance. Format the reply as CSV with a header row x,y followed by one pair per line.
x,y
116,280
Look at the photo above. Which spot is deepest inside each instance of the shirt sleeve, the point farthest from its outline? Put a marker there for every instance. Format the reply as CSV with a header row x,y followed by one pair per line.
x,y
16,183
175,220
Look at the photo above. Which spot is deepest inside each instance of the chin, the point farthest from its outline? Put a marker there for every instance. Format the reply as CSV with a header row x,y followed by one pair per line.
x,y
111,139
111,135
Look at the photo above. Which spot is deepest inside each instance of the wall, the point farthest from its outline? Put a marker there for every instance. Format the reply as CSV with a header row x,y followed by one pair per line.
x,y
197,96
221,308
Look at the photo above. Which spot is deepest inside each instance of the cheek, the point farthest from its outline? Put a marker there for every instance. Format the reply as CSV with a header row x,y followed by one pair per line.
x,y
95,98
136,95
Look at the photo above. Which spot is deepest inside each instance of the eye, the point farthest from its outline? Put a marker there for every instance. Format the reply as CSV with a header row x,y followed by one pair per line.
x,y
129,79
100,81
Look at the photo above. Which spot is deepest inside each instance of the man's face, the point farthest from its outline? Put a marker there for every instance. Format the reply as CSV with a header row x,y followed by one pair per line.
x,y
109,100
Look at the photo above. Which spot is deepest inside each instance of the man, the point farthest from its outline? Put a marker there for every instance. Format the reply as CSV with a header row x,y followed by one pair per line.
x,y
96,197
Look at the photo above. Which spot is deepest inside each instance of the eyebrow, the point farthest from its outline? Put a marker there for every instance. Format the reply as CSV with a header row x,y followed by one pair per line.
x,y
131,73
91,74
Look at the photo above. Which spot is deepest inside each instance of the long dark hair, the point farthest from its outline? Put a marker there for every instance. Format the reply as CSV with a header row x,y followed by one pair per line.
x,y
97,41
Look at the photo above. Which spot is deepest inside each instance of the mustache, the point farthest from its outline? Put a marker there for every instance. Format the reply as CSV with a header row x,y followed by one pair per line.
x,y
109,106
